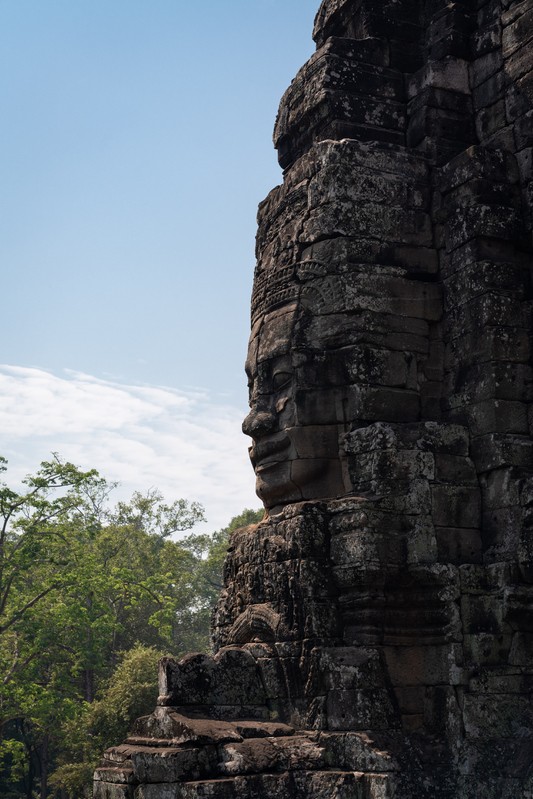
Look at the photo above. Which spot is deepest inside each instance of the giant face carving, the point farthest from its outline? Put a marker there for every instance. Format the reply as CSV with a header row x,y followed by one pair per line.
x,y
340,335
297,413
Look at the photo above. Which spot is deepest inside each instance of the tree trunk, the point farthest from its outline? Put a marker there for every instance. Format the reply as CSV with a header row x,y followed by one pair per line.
x,y
44,766
88,676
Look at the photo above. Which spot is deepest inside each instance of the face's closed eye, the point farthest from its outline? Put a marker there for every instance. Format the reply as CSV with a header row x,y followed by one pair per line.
x,y
281,379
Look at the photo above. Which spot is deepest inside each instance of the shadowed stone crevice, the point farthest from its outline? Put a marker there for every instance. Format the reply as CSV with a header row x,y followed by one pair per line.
x,y
374,636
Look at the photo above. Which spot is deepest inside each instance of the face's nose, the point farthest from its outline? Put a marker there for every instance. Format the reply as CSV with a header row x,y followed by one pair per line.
x,y
259,423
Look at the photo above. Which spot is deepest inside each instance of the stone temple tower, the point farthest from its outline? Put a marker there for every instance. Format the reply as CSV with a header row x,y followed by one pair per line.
x,y
374,638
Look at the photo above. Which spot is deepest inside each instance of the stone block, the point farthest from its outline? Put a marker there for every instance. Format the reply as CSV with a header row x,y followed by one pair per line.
x,y
438,123
381,786
405,57
487,38
489,91
497,221
501,139
481,614
349,668
503,681
497,716
424,665
410,699
480,190
518,607
487,649
272,345
501,533
456,506
483,67
484,579
413,499
433,97
430,437
204,789
225,679
501,487
518,33
478,250
521,653
360,546
480,276
160,765
490,120
450,74
359,751
272,675
369,403
421,544
169,723
399,225
442,712
492,416
430,401
458,545
455,470
335,331
493,343
400,465
523,130
500,450
516,104
321,620
387,290
258,755
357,364
498,380
328,785
380,158
478,162
355,710
108,790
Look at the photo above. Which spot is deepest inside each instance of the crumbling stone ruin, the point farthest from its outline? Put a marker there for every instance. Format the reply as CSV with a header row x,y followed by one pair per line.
x,y
375,635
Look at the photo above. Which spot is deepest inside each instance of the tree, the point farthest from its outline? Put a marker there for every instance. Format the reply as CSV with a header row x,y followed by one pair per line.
x,y
130,692
91,595
32,557
79,583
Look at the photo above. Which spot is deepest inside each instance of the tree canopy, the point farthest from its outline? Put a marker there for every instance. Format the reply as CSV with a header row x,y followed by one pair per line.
x,y
91,595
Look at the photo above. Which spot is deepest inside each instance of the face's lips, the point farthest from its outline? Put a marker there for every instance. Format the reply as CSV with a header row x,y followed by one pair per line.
x,y
265,452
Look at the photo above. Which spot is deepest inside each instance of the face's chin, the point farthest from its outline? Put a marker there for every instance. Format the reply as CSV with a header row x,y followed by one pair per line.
x,y
274,485
297,463
278,484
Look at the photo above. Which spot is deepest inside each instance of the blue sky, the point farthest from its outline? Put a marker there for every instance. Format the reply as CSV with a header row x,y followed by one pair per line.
x,y
135,147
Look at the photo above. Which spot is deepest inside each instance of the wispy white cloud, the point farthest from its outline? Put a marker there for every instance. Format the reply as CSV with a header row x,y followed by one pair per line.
x,y
186,443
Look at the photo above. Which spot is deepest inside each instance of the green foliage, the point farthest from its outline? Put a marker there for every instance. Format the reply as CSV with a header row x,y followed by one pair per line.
x,y
12,762
130,692
90,596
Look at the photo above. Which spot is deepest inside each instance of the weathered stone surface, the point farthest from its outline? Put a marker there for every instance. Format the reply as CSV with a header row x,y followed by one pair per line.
x,y
374,637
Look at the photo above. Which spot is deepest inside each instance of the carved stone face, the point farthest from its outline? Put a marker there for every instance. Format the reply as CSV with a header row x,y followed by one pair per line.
x,y
296,414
